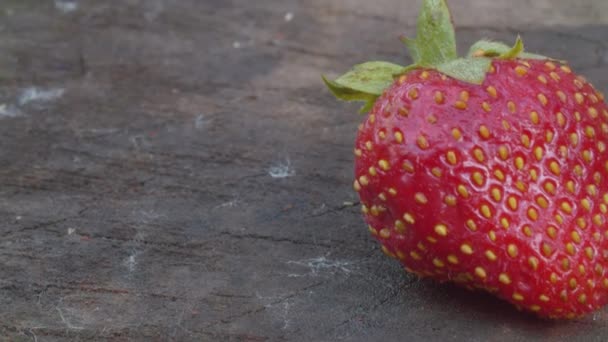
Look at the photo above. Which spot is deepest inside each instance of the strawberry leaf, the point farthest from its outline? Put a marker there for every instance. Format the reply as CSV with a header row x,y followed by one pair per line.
x,y
435,41
515,51
472,70
365,82
412,48
348,94
370,78
486,48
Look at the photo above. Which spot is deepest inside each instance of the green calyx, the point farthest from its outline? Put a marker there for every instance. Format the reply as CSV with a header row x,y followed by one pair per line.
x,y
433,48
365,82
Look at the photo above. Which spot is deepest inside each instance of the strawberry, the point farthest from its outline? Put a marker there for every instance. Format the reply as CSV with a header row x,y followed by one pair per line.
x,y
489,171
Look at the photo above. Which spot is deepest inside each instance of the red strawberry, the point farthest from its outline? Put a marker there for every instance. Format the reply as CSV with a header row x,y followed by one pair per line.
x,y
489,171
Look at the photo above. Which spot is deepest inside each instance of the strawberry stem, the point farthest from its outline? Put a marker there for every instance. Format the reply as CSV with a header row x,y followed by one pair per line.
x,y
435,41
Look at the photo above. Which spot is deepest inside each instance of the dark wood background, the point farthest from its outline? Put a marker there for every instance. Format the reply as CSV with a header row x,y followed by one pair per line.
x,y
174,170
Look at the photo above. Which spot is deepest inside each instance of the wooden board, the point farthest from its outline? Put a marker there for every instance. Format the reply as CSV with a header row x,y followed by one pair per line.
x,y
174,170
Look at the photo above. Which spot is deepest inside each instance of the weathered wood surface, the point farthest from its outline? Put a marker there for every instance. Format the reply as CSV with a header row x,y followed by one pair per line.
x,y
173,170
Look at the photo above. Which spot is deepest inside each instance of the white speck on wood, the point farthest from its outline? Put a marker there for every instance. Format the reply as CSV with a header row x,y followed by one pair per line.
x,y
67,323
321,264
8,111
288,16
33,94
33,335
71,231
137,141
140,235
295,275
131,263
282,170
200,122
66,6
148,216
102,131
178,323
243,44
229,204
285,315
39,296
319,210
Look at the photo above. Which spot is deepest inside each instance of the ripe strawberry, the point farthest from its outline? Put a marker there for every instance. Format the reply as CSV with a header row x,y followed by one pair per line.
x,y
488,171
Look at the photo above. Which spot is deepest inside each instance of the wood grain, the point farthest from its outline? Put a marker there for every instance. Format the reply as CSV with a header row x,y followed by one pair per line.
x,y
174,170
